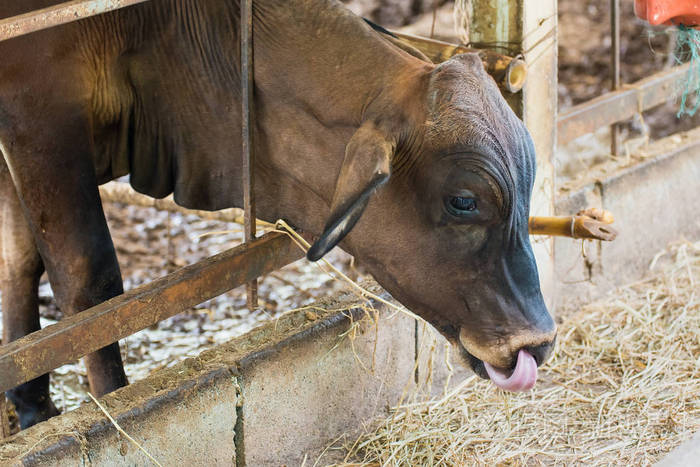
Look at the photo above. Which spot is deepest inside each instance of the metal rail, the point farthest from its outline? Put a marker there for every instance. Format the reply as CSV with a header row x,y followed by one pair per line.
x,y
56,15
619,105
89,330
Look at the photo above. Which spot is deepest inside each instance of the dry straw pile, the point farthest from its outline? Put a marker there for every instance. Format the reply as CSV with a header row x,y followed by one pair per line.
x,y
622,387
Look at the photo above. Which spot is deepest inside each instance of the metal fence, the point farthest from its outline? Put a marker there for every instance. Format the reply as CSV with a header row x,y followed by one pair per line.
x,y
624,101
126,314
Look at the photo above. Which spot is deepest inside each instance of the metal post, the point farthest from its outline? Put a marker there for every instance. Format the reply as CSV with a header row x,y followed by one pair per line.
x,y
247,126
529,27
615,68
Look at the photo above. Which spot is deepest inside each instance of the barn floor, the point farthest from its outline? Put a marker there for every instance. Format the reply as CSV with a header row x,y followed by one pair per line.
x,y
622,387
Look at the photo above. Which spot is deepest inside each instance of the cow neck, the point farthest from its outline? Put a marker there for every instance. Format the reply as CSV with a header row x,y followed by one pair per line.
x,y
331,71
329,58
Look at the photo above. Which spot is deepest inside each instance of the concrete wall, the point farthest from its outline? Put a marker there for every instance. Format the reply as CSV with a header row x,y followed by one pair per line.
x,y
278,394
181,416
305,392
654,202
685,455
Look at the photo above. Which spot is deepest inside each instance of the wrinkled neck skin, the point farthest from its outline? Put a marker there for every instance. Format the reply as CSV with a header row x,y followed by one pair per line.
x,y
320,73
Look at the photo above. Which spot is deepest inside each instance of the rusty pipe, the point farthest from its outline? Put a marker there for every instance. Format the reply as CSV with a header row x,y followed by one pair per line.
x,y
80,334
615,69
509,72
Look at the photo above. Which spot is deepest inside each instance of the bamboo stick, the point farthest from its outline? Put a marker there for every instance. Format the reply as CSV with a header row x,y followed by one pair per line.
x,y
591,224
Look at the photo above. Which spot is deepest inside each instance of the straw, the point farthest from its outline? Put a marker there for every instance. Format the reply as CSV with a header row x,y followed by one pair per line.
x,y
121,430
622,387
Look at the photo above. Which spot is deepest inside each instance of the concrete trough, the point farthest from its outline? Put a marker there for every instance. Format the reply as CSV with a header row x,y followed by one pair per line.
x,y
655,202
274,396
283,392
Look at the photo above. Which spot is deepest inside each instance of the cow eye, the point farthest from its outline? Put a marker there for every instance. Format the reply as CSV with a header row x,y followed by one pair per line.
x,y
461,205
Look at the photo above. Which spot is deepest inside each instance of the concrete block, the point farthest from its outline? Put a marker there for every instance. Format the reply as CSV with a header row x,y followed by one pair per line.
x,y
577,262
274,396
303,393
655,203
181,417
685,455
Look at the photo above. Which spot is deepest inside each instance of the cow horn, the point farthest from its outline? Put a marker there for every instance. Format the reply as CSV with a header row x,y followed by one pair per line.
x,y
366,167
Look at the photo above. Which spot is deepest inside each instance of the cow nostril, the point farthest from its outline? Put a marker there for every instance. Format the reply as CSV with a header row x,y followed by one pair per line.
x,y
540,352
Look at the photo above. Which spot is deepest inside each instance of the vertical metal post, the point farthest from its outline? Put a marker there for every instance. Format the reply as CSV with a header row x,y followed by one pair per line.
x,y
615,68
248,127
529,27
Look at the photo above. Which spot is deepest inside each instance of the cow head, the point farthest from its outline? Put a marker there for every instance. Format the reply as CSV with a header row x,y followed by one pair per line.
x,y
443,209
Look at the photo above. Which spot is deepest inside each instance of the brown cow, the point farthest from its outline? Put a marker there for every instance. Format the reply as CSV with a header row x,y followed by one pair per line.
x,y
419,170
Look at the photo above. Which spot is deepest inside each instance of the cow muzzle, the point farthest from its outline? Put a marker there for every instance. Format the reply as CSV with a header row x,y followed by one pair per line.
x,y
511,367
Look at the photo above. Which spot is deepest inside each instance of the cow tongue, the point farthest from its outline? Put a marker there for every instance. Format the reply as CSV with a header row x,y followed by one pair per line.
x,y
523,377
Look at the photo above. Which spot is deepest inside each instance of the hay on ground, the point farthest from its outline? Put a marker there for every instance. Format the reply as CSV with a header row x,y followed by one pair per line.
x,y
623,387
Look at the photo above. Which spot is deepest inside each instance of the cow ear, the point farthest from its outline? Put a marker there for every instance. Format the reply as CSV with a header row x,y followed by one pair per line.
x,y
366,166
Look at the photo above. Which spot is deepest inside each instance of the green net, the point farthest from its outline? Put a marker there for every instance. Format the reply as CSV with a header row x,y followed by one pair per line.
x,y
688,50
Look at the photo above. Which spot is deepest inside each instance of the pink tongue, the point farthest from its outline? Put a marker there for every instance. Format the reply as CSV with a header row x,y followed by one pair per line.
x,y
523,378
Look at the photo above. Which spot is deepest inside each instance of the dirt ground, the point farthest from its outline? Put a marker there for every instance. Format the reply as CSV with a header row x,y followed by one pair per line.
x,y
150,243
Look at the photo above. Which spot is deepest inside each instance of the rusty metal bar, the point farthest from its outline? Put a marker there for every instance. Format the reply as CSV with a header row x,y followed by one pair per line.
x,y
619,105
85,332
615,68
247,128
58,14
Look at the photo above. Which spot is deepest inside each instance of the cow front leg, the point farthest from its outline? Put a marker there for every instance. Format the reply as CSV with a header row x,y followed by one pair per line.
x,y
71,234
20,270
52,170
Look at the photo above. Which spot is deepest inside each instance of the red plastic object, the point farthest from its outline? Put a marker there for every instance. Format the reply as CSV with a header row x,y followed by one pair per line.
x,y
670,12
